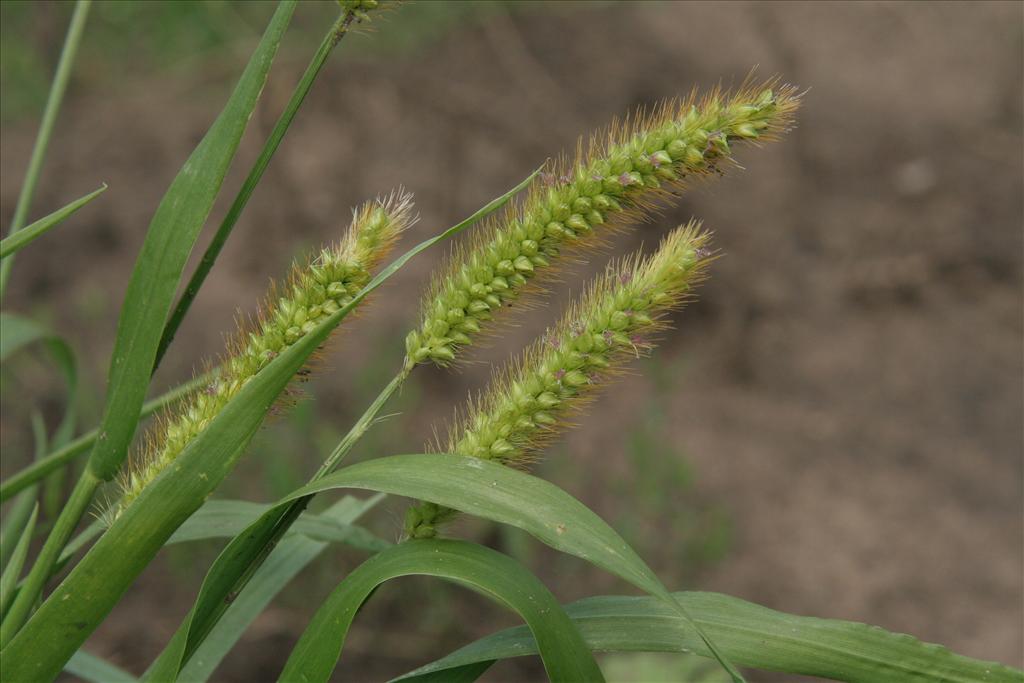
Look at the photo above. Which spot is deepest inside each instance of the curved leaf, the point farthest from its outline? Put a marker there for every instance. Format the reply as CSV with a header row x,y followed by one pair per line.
x,y
293,554
17,333
169,240
172,233
565,655
750,635
486,489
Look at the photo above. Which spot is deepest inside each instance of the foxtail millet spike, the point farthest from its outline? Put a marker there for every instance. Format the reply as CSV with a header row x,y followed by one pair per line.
x,y
621,178
531,401
314,290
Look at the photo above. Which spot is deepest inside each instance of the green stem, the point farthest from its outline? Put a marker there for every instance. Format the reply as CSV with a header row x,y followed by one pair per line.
x,y
334,35
76,506
42,467
53,101
363,424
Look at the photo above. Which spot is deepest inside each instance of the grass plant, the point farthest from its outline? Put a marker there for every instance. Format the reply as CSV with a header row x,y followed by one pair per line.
x,y
616,182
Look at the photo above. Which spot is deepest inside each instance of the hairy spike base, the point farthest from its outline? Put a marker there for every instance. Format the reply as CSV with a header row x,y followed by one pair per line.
x,y
622,176
315,290
531,401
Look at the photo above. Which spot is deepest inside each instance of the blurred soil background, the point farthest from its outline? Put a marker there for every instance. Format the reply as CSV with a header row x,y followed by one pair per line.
x,y
833,429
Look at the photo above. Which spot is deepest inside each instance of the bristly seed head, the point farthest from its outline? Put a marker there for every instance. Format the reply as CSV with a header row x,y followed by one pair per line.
x,y
533,399
315,291
620,179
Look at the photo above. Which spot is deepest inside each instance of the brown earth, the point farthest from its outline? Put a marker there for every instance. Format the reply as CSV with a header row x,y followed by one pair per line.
x,y
851,382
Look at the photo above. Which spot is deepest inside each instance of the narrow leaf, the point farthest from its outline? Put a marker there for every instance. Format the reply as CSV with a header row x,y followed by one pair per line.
x,y
565,655
329,42
290,557
236,563
90,591
169,240
750,635
93,669
26,235
14,521
228,518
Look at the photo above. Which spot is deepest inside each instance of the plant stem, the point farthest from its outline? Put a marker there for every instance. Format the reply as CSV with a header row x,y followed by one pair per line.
x,y
42,467
362,425
331,39
76,506
53,101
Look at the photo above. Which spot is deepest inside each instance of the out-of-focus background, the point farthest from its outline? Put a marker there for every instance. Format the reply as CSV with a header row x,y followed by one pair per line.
x,y
833,429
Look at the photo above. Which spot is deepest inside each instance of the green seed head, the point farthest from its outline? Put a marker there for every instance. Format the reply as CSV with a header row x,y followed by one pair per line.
x,y
623,175
616,320
315,290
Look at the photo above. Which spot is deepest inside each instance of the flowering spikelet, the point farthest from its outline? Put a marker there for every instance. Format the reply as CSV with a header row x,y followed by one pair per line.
x,y
614,183
531,401
314,291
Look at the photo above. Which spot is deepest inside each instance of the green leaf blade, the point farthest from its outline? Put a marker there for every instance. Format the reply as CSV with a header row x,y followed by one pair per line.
x,y
501,494
11,572
90,591
22,238
228,518
749,634
93,669
170,238
53,101
495,492
172,233
291,556
565,656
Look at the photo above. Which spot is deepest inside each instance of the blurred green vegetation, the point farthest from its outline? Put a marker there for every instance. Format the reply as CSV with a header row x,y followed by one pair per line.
x,y
128,43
